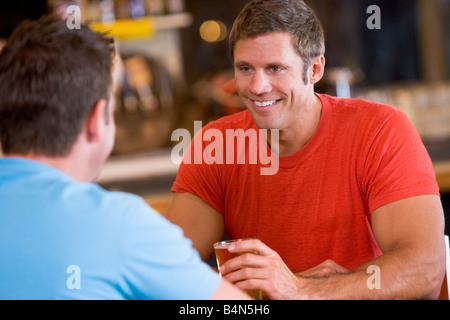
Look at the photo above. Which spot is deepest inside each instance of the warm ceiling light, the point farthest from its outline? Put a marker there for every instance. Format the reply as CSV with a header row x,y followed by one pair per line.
x,y
213,31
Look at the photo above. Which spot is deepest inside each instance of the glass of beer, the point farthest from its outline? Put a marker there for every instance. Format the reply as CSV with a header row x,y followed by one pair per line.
x,y
223,255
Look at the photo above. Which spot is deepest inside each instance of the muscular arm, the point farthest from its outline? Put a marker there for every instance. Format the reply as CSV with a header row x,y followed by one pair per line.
x,y
200,222
410,234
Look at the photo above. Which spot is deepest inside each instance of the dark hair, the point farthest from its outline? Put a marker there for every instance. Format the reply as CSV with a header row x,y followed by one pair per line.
x,y
51,76
263,16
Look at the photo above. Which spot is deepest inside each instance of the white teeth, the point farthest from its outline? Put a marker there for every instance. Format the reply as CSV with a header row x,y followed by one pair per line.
x,y
265,103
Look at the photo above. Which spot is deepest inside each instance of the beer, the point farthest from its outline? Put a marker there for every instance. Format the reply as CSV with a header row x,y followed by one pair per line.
x,y
223,255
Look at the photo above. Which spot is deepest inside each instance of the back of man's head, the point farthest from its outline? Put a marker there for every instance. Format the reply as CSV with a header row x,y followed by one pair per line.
x,y
51,76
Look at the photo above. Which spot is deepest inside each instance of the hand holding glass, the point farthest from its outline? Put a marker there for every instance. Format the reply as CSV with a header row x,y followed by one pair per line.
x,y
223,255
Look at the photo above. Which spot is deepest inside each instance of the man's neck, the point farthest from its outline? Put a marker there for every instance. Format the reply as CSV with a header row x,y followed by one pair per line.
x,y
64,164
293,139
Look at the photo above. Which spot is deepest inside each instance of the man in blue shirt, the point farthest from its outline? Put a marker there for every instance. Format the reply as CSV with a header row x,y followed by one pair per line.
x,y
61,236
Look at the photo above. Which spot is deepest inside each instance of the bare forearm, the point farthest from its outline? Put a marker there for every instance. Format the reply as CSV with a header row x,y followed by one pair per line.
x,y
410,233
394,275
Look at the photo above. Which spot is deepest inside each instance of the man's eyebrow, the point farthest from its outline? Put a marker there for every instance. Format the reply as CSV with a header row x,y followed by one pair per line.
x,y
241,63
277,64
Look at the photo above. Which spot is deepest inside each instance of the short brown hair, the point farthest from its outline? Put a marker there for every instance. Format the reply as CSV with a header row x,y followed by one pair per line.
x,y
51,77
263,16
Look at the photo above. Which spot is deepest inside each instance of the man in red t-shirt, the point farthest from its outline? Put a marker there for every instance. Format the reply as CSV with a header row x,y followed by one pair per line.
x,y
347,208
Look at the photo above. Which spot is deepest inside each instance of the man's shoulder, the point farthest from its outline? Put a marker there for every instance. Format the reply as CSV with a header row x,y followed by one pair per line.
x,y
117,200
363,111
361,105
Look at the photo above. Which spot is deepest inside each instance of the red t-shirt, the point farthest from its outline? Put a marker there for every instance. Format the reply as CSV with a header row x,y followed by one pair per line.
x,y
363,155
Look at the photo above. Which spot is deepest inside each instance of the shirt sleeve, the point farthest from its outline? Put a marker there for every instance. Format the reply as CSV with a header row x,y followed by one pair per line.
x,y
198,177
158,262
397,165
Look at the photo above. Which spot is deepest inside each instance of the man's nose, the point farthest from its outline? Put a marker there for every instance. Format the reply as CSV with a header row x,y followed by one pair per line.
x,y
260,83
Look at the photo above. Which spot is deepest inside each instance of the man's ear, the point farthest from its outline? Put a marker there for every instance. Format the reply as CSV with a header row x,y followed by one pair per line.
x,y
317,69
95,120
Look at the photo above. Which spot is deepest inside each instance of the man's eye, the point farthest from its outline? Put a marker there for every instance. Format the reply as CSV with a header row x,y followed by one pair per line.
x,y
275,69
245,69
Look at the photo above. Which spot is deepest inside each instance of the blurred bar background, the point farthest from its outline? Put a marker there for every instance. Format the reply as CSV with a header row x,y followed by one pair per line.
x,y
176,69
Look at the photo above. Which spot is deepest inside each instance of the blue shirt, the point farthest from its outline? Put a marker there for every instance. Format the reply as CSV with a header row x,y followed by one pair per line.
x,y
62,239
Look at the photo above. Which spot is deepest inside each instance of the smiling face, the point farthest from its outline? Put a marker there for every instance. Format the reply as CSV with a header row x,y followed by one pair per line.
x,y
269,78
